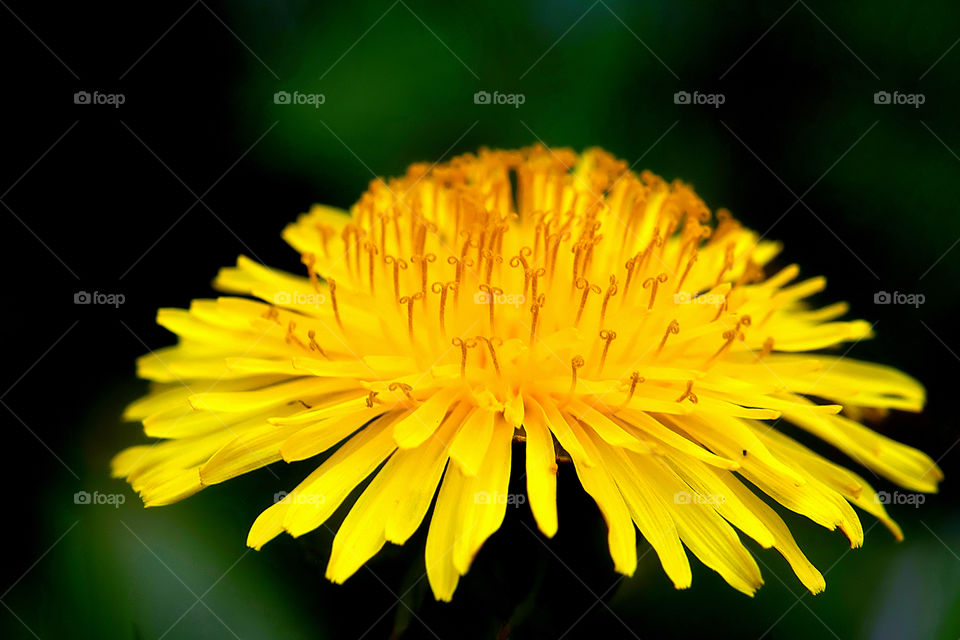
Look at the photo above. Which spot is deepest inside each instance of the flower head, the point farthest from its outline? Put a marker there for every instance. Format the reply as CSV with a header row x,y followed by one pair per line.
x,y
539,296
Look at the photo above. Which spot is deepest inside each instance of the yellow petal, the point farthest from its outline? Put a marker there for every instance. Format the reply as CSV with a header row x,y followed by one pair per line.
x,y
541,470
486,504
470,444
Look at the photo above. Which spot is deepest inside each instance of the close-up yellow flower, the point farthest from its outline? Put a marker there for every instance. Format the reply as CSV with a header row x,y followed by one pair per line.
x,y
607,322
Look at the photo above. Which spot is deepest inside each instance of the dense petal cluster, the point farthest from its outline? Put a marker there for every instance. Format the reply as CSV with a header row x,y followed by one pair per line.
x,y
537,296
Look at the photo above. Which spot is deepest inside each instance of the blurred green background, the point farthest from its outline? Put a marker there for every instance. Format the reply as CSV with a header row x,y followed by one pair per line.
x,y
200,164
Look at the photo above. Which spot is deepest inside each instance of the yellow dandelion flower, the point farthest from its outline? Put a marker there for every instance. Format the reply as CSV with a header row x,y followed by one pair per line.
x,y
534,296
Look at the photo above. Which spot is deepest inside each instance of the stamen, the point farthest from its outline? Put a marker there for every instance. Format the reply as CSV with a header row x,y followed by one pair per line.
x,y
720,310
333,300
535,312
693,258
326,232
767,347
635,379
611,291
421,239
372,251
540,229
728,260
290,338
493,353
464,345
575,363
383,219
578,251
424,262
731,336
371,397
309,260
272,314
689,394
520,261
492,293
630,264
441,288
491,259
409,300
588,260
314,344
674,328
652,284
458,274
609,336
403,387
349,230
582,283
552,261
534,280
398,263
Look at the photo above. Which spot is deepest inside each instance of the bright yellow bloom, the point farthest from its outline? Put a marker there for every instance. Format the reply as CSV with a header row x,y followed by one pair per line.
x,y
535,296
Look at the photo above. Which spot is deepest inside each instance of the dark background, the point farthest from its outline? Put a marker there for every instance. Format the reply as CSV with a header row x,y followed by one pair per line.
x,y
199,165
